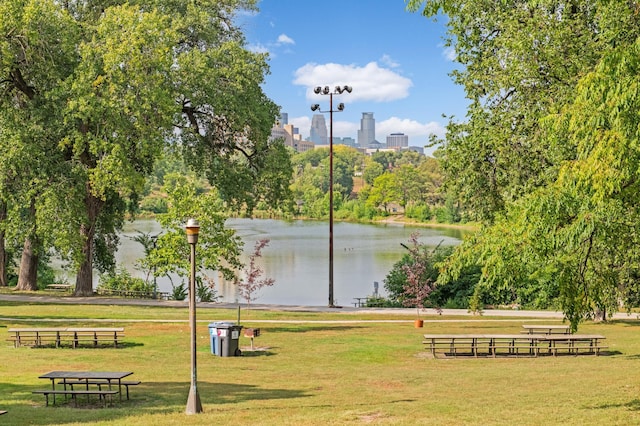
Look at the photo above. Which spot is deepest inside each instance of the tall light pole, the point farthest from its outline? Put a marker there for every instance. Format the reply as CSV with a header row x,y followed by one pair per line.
x,y
193,401
315,107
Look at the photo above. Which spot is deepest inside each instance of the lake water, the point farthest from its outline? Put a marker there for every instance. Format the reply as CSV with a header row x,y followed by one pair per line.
x,y
297,257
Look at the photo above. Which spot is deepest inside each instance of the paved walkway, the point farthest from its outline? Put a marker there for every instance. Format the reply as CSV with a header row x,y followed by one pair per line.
x,y
287,308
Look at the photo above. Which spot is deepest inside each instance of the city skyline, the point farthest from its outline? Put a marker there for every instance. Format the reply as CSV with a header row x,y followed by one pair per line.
x,y
394,60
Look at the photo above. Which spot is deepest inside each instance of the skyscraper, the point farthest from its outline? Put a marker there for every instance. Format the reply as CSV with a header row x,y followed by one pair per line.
x,y
318,130
397,141
367,132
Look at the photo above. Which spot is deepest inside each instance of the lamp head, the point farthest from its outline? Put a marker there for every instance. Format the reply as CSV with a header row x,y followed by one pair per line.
x,y
315,107
340,106
193,229
347,89
317,90
325,91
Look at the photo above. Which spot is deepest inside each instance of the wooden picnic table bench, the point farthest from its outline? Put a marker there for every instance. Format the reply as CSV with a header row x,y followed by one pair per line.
x,y
95,335
111,379
513,344
546,329
99,383
102,394
35,336
42,336
59,287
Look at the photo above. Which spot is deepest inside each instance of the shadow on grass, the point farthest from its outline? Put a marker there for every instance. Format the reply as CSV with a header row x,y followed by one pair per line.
x,y
634,405
257,352
149,397
121,345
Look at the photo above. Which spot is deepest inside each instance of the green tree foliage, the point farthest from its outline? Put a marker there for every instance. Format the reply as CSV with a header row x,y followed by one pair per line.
x,y
385,191
104,86
520,61
425,262
576,239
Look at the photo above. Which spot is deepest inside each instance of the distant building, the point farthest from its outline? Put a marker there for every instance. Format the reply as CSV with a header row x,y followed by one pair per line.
x,y
318,130
418,149
291,135
345,141
397,141
367,132
375,145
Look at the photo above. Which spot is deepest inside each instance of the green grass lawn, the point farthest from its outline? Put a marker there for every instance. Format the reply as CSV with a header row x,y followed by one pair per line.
x,y
319,373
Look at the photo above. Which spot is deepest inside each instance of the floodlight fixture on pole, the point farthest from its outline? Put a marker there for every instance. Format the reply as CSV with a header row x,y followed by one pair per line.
x,y
194,405
316,107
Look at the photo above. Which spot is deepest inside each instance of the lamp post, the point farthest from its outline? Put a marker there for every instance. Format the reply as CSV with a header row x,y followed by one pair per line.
x,y
315,107
193,401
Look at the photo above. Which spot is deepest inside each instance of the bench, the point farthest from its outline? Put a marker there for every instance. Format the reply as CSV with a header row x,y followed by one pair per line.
x,y
513,344
95,335
57,336
102,394
35,336
59,287
546,329
100,383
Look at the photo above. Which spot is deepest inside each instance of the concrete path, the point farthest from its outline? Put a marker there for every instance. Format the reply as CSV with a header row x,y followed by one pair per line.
x,y
27,298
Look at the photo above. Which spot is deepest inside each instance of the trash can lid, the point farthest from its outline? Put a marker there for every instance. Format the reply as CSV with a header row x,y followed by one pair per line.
x,y
220,324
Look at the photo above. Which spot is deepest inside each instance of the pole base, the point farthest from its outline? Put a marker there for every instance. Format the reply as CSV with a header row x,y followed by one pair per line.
x,y
194,406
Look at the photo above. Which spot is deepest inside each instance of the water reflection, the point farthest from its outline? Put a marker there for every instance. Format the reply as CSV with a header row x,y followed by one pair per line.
x,y
298,257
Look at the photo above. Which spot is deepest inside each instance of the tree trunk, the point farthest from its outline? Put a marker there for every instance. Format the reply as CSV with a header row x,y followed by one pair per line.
x,y
3,251
28,275
84,278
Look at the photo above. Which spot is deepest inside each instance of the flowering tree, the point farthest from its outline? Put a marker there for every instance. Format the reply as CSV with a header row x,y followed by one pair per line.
x,y
419,285
249,287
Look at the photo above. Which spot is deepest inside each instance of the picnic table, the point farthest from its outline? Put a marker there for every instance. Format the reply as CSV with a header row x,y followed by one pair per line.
x,y
85,378
546,329
59,287
513,344
41,336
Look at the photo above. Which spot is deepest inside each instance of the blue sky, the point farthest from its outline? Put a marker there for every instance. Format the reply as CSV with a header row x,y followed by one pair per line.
x,y
394,60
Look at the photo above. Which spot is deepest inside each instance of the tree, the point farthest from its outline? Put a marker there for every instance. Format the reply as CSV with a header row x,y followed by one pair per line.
x,y
249,287
36,54
417,275
384,192
105,86
218,248
577,238
520,61
372,170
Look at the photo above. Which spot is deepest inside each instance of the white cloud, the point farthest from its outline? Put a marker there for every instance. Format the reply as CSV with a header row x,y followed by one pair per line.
x,y
258,48
369,83
449,53
285,39
388,61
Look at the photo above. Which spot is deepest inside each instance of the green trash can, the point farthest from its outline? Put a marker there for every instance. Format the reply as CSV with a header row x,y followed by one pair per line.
x,y
225,337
